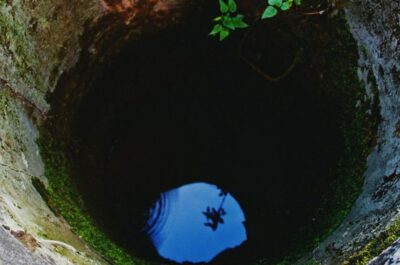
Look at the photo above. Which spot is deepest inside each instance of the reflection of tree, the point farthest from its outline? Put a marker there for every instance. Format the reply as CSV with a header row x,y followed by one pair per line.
x,y
214,216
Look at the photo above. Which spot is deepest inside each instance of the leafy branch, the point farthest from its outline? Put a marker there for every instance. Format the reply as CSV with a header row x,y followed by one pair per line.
x,y
275,5
229,20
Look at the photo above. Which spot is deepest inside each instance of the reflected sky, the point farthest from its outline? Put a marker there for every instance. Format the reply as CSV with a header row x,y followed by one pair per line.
x,y
195,223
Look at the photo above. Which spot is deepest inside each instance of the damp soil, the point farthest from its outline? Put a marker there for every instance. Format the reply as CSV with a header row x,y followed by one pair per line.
x,y
179,107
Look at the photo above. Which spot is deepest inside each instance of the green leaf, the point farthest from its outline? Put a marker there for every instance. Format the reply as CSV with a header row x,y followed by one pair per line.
x,y
217,28
297,2
239,23
223,7
269,12
217,19
228,23
232,6
285,6
239,17
277,3
223,34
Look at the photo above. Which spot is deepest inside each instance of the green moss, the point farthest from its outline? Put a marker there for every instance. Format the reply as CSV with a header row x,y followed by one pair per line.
x,y
378,244
75,259
63,196
15,37
340,83
40,187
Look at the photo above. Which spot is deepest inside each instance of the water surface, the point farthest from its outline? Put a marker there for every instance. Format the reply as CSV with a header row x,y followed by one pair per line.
x,y
195,223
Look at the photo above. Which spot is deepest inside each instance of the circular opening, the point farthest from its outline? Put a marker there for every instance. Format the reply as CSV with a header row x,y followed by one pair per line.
x,y
179,108
184,139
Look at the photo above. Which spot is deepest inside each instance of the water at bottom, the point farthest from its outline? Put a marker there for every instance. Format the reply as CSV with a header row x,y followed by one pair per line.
x,y
195,223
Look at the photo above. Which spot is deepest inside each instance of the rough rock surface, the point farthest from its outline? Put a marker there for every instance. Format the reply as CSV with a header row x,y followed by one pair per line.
x,y
390,256
38,41
376,27
13,253
41,41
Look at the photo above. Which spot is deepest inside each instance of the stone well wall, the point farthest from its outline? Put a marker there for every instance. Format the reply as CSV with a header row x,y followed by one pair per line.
x,y
43,44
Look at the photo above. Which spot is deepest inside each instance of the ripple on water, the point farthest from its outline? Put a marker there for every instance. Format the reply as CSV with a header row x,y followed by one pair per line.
x,y
195,223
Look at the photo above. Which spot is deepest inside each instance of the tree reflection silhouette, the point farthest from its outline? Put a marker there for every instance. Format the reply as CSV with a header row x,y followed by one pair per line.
x,y
214,216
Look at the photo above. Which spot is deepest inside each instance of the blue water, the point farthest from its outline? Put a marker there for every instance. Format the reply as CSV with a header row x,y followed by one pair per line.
x,y
195,223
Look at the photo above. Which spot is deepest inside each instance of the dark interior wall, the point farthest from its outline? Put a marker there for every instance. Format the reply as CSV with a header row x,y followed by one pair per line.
x,y
375,26
178,107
